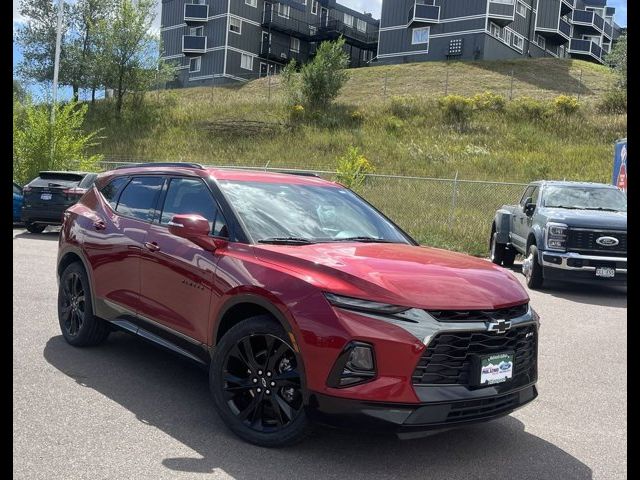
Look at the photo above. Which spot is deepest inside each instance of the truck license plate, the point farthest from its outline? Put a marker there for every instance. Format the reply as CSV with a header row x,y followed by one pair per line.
x,y
605,272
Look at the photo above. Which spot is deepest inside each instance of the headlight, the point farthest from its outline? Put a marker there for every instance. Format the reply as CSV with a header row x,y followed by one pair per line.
x,y
556,236
363,305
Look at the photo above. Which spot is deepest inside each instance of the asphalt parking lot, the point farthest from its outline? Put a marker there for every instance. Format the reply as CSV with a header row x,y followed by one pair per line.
x,y
129,410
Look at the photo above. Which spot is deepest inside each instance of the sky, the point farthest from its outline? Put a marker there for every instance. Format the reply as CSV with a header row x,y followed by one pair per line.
x,y
371,6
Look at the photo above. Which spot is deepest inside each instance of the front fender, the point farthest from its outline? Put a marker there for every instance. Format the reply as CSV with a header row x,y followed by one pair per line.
x,y
502,222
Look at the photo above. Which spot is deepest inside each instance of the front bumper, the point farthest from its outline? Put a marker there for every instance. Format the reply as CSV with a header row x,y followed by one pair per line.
x,y
572,266
417,420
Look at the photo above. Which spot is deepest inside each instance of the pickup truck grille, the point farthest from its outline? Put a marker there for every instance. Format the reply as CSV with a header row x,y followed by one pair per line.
x,y
584,241
448,357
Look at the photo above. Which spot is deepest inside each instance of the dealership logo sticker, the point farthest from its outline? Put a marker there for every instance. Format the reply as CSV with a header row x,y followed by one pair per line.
x,y
607,241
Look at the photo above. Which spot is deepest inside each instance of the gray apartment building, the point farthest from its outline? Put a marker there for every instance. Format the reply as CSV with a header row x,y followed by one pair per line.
x,y
421,30
224,41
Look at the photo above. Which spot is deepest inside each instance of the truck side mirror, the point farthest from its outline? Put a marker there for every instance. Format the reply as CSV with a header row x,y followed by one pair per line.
x,y
529,207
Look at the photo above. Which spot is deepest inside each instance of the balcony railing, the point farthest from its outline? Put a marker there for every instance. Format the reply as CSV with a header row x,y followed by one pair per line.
x,y
419,12
333,28
279,51
567,6
588,18
565,28
502,12
608,29
194,44
586,47
195,13
290,26
560,35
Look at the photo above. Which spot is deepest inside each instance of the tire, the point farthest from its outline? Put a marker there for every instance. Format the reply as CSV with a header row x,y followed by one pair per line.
x,y
509,257
79,326
241,380
35,227
496,250
532,269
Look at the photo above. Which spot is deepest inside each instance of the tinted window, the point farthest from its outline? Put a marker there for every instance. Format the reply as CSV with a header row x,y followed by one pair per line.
x,y
139,197
88,180
53,180
527,193
16,189
188,196
111,191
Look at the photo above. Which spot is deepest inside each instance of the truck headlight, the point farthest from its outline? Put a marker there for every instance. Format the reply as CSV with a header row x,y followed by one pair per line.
x,y
555,235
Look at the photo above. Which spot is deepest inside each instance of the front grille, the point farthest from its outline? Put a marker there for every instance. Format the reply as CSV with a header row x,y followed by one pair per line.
x,y
585,241
486,407
479,315
448,357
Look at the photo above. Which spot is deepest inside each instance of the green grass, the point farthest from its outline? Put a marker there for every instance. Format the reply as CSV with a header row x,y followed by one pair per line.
x,y
399,130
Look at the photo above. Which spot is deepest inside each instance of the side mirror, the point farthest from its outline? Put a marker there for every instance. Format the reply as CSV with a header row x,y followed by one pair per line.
x,y
195,228
529,207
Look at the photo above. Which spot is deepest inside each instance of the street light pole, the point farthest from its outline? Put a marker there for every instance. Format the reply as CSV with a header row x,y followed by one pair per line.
x,y
56,65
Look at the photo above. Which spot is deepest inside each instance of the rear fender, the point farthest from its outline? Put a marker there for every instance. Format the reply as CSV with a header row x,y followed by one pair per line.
x,y
502,221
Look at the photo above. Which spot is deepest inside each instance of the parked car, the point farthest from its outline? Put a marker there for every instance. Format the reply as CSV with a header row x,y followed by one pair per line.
x,y
17,202
305,303
568,231
48,195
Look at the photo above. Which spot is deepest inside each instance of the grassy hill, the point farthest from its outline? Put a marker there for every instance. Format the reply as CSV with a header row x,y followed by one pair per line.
x,y
391,113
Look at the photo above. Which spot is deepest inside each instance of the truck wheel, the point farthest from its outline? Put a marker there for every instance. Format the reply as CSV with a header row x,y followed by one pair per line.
x,y
509,257
532,269
497,249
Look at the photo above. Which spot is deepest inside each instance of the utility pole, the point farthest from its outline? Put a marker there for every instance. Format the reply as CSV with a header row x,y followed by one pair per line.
x,y
56,67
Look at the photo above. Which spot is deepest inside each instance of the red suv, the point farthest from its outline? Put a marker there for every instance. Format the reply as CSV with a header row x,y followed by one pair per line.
x,y
305,302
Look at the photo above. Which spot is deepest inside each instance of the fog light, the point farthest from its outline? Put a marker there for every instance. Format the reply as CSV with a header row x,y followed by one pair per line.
x,y
355,365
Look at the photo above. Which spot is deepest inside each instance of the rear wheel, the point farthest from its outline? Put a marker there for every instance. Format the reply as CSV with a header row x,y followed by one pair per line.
x,y
497,249
35,227
256,383
532,269
509,257
79,326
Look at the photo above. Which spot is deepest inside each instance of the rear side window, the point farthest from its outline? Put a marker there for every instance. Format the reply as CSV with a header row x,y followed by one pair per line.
x,y
88,180
112,190
191,196
139,198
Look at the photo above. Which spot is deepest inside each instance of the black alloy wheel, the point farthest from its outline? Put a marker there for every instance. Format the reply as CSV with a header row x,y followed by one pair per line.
x,y
73,304
257,386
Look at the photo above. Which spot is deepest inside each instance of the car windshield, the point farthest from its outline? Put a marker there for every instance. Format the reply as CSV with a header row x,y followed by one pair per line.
x,y
292,213
585,198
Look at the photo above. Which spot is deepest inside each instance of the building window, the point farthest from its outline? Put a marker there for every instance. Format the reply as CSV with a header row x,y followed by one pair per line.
x,y
521,9
196,31
251,3
518,42
246,62
361,25
420,35
507,37
198,2
284,10
314,7
195,64
541,41
235,25
495,30
295,44
312,30
348,20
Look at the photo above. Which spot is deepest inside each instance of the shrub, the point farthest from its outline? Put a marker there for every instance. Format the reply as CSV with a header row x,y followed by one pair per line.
x,y
488,101
457,110
528,108
357,116
352,168
614,101
405,107
566,105
394,124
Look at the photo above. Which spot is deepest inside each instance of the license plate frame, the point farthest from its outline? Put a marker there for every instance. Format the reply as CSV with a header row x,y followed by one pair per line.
x,y
494,369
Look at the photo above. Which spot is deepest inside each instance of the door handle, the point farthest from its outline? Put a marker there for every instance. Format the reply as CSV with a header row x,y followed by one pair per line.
x,y
99,225
152,246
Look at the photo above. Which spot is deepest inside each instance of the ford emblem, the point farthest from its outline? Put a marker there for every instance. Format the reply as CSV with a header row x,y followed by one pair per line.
x,y
607,241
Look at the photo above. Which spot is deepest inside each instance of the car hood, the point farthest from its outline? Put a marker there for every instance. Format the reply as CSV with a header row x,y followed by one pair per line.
x,y
399,274
587,218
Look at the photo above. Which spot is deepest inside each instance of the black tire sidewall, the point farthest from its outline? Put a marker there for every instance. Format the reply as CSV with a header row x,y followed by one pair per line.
x,y
262,324
35,228
535,280
499,250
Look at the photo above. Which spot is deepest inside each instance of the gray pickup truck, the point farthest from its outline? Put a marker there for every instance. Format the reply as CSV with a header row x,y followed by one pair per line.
x,y
566,231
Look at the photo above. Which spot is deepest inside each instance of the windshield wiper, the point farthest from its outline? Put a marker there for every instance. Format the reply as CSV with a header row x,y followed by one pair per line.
x,y
286,241
363,239
603,209
565,206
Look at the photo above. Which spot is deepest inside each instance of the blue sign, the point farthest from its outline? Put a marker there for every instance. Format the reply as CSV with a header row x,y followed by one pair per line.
x,y
619,177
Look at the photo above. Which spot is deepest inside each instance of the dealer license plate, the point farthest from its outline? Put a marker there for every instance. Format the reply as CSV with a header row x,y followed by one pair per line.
x,y
606,272
496,368
45,196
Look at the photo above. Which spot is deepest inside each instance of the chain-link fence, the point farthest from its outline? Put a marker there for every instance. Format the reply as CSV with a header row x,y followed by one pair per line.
x,y
450,213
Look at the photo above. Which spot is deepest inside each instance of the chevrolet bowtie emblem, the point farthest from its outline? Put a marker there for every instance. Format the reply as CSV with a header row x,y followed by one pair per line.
x,y
499,326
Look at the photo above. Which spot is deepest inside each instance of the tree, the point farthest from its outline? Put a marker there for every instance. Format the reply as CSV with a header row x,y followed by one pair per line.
x,y
39,145
617,58
128,54
319,82
19,93
37,37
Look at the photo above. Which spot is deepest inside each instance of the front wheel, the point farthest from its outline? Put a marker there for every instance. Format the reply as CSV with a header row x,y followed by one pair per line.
x,y
35,227
497,249
256,383
532,269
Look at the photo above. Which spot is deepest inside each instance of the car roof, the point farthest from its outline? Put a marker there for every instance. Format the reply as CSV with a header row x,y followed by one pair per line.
x,y
567,183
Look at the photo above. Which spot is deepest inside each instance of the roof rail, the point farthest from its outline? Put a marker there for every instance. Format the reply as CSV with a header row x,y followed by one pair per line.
x,y
303,174
161,164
